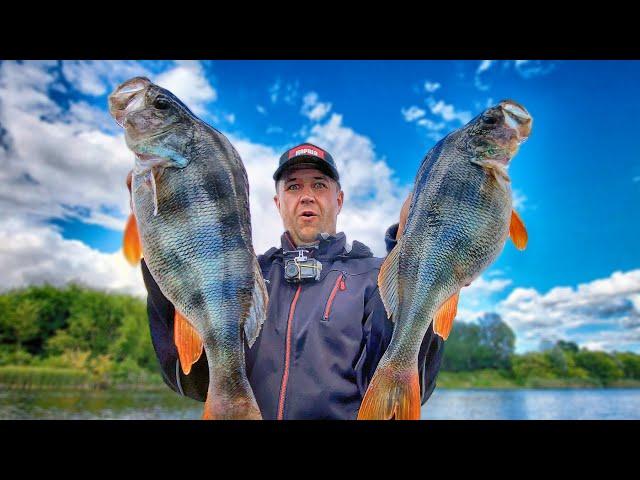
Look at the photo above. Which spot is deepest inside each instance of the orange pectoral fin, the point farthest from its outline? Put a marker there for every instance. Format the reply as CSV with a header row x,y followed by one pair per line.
x,y
404,213
188,342
131,245
517,231
443,321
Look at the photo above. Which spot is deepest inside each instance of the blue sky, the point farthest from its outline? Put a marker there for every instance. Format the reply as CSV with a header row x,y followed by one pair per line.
x,y
577,178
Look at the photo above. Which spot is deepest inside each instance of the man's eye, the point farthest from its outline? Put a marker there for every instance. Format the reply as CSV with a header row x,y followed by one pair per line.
x,y
320,185
292,187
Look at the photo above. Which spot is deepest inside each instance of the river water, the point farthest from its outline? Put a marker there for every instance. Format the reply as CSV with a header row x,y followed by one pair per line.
x,y
561,404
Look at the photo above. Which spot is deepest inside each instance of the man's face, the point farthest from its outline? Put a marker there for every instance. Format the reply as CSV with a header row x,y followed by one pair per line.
x,y
309,202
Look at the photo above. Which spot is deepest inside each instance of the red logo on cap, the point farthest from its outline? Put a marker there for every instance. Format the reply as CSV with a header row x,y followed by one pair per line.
x,y
306,150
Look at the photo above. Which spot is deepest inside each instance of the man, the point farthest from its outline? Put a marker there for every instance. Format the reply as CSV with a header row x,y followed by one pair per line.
x,y
326,327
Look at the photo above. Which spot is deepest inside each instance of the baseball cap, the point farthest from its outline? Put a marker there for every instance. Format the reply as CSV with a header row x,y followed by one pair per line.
x,y
307,154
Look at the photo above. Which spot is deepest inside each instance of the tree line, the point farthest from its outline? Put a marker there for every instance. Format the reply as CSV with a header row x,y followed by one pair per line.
x,y
107,336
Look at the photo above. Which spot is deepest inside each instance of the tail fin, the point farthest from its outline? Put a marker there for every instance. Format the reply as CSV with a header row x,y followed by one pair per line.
x,y
392,395
217,407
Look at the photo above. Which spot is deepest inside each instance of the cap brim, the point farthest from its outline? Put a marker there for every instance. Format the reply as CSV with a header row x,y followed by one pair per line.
x,y
306,161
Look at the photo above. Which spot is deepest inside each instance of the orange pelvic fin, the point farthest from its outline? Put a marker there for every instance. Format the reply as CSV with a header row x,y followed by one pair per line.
x,y
404,214
188,342
443,321
517,231
131,245
392,395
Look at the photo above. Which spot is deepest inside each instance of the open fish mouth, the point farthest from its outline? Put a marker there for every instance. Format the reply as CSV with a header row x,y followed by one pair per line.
x,y
127,98
517,118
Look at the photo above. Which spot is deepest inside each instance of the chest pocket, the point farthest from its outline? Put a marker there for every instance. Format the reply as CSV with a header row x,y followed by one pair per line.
x,y
340,286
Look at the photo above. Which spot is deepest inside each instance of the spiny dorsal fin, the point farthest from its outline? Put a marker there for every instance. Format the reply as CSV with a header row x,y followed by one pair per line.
x,y
443,321
187,341
517,231
131,246
388,281
258,309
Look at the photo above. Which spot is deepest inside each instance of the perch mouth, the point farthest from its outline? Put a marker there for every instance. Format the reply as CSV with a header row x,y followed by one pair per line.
x,y
517,118
127,98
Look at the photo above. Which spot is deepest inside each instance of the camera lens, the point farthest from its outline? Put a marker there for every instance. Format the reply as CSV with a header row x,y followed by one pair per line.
x,y
291,270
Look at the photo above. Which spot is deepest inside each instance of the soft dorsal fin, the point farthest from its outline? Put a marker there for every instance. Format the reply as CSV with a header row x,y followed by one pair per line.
x,y
388,281
517,231
187,341
131,246
258,309
443,321
404,213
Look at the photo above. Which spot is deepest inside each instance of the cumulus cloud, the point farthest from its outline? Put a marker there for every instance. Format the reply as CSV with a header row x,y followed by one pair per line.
x,y
519,200
448,112
412,113
287,92
313,109
98,77
188,82
431,86
604,310
524,68
483,67
372,197
35,254
533,68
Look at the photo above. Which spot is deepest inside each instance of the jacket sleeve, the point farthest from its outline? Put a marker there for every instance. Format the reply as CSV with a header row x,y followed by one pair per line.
x,y
160,312
378,330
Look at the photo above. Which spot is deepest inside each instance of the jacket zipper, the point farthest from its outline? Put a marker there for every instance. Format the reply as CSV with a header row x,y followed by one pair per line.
x,y
342,286
287,355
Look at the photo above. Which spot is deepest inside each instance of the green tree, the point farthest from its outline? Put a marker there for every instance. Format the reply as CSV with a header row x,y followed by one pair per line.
x,y
630,364
600,365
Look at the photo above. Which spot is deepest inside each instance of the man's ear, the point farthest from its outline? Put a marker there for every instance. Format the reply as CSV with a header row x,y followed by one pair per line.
x,y
340,200
276,200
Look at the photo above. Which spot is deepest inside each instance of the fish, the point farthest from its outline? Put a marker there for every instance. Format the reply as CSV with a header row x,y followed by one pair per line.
x,y
453,225
191,222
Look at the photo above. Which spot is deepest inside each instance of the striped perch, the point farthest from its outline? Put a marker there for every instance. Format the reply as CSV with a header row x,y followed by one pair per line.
x,y
452,227
191,222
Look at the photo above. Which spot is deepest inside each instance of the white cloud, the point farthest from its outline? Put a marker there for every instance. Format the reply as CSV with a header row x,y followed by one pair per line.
x,y
372,197
35,254
58,159
448,112
312,108
431,86
98,77
412,113
636,179
533,68
287,92
261,109
604,310
483,67
519,200
188,81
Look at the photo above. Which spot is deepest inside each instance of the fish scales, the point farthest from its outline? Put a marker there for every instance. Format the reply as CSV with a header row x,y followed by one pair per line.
x,y
191,202
457,223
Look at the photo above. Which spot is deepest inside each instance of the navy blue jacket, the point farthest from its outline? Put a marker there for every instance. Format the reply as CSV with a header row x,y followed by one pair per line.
x,y
320,343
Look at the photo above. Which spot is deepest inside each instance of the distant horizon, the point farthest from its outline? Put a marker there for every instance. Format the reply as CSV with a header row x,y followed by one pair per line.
x,y
576,180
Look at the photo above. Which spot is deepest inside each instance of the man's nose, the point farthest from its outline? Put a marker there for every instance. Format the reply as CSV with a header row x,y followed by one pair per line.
x,y
306,198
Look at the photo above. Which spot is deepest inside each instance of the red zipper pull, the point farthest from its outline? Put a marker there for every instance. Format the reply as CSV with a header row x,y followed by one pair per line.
x,y
343,286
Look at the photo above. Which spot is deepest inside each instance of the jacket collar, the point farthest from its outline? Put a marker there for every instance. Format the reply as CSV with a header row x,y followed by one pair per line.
x,y
328,247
